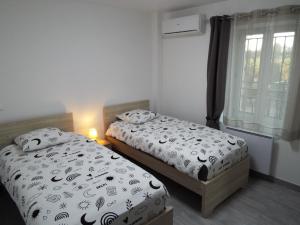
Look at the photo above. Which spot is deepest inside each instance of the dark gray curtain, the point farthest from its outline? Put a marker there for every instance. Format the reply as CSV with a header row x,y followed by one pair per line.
x,y
217,68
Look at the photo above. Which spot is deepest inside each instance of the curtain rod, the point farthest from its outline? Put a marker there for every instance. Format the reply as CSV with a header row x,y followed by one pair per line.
x,y
287,9
231,17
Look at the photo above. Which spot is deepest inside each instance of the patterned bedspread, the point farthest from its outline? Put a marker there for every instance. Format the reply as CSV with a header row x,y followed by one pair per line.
x,y
197,150
79,182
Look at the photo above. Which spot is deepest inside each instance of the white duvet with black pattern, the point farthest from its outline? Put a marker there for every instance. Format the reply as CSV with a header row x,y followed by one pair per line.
x,y
197,150
79,182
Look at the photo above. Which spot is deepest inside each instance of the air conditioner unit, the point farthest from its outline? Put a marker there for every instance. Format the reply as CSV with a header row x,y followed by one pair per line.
x,y
186,25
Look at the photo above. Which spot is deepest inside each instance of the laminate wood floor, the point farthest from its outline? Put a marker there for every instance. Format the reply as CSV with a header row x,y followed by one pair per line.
x,y
261,203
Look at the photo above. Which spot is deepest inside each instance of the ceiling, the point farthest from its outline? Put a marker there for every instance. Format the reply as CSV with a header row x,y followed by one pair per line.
x,y
157,5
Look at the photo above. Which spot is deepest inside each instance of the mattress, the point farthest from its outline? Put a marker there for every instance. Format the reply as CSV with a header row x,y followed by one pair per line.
x,y
196,150
79,182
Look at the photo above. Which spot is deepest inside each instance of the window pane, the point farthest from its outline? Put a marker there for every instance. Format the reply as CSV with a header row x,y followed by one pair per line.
x,y
274,108
281,60
251,70
247,104
283,43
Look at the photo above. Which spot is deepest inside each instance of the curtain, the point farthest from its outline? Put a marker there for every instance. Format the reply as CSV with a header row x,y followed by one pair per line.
x,y
216,69
263,73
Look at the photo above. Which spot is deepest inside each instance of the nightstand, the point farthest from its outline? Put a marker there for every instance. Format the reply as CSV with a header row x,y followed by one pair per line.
x,y
105,143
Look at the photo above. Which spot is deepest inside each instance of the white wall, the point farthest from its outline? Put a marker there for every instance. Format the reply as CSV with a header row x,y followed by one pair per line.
x,y
183,79
71,56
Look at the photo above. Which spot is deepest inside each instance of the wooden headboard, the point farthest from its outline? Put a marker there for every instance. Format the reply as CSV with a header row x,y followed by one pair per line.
x,y
110,112
8,131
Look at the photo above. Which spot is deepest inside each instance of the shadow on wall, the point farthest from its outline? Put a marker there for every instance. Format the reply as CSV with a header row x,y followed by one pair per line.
x,y
274,157
295,145
285,159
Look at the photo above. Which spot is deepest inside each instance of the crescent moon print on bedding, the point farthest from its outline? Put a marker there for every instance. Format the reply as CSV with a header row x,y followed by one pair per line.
x,y
194,149
41,138
79,182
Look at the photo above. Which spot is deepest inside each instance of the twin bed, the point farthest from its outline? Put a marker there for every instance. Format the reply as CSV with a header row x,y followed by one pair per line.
x,y
206,161
78,182
82,182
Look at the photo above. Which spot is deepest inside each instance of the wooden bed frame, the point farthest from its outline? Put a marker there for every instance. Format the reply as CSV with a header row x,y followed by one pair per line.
x,y
213,192
8,131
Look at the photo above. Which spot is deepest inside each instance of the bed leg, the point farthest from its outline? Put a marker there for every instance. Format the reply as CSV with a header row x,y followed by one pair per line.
x,y
165,218
212,197
206,208
217,190
206,212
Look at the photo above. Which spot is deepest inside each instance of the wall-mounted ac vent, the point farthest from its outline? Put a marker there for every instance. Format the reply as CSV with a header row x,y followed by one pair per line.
x,y
186,25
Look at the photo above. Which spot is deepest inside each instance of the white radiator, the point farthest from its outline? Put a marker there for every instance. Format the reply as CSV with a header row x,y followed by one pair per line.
x,y
260,148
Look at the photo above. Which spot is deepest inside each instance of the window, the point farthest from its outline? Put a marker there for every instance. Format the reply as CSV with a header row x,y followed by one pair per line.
x,y
263,72
251,70
279,62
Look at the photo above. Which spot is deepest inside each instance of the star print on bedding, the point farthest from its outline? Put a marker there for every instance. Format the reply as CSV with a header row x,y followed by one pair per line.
x,y
79,182
194,149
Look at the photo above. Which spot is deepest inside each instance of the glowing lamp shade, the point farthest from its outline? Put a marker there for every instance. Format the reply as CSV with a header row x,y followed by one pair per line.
x,y
93,134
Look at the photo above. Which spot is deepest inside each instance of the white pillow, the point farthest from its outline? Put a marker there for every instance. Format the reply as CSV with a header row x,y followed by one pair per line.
x,y
42,138
138,116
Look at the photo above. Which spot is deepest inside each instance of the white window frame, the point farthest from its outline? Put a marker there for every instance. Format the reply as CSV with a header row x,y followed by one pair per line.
x,y
267,46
